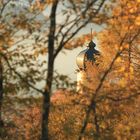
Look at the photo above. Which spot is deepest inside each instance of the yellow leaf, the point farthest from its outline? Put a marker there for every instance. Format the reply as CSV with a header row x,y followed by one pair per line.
x,y
126,46
137,21
118,59
131,70
122,82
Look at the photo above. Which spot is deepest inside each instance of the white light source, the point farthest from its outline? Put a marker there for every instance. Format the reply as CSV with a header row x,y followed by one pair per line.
x,y
80,80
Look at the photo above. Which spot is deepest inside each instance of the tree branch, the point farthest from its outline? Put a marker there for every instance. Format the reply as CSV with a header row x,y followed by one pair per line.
x,y
4,6
63,42
19,75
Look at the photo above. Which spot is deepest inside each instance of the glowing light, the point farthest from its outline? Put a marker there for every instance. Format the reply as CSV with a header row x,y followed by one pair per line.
x,y
79,76
80,80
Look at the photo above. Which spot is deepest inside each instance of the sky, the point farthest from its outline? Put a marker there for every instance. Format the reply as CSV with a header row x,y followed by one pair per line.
x,y
65,62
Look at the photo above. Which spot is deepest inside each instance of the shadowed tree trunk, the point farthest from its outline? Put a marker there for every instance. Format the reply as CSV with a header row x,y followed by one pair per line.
x,y
47,92
1,93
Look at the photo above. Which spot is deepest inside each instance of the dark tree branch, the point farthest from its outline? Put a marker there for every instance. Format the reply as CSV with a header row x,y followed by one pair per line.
x,y
3,8
1,92
97,128
63,41
19,75
49,78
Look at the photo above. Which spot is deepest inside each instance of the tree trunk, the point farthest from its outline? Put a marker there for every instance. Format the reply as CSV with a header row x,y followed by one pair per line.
x,y
97,129
48,88
46,102
1,93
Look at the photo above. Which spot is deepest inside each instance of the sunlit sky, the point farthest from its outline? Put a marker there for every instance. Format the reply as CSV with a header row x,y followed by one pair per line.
x,y
65,62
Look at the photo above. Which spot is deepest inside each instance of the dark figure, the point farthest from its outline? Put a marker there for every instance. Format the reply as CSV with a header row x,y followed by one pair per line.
x,y
91,52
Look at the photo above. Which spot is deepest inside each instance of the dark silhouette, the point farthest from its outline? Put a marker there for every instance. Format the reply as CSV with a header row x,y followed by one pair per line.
x,y
91,52
1,93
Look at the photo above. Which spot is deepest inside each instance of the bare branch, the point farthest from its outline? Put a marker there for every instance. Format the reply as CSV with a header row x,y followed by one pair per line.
x,y
4,6
63,42
19,75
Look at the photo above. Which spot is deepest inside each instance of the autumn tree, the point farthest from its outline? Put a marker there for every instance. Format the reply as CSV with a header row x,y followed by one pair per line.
x,y
117,87
16,63
76,16
25,20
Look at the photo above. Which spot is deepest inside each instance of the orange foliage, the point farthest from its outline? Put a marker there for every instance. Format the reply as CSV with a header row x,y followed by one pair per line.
x,y
24,123
79,41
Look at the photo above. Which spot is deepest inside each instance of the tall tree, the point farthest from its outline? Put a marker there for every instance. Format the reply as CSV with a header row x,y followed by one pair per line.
x,y
15,29
76,16
117,43
1,93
